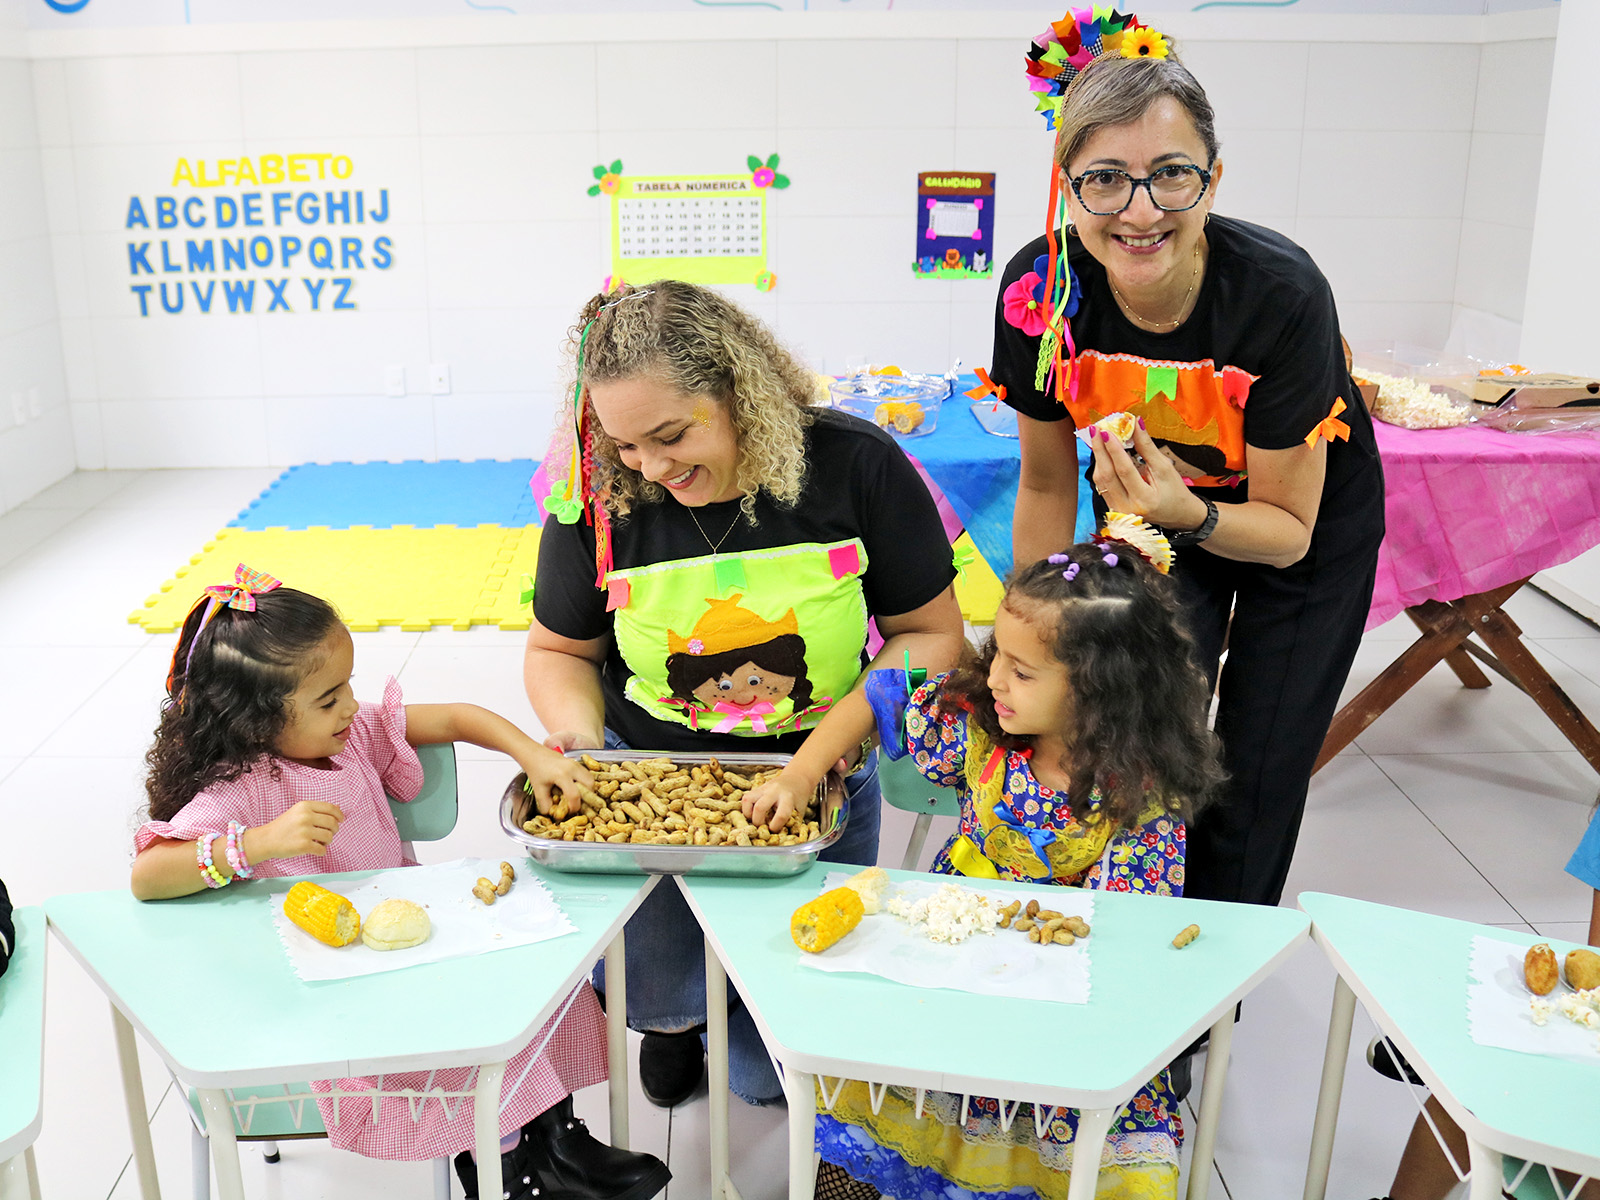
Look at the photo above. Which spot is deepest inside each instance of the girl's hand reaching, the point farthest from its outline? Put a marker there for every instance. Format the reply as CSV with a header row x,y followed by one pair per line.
x,y
548,769
307,828
772,803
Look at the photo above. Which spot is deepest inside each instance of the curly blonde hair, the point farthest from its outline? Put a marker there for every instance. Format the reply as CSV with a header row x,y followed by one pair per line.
x,y
694,341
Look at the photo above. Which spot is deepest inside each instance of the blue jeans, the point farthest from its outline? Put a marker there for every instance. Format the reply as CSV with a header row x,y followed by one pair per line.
x,y
666,951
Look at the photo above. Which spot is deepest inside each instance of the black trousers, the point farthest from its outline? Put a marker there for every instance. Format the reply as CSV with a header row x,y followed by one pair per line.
x,y
1293,636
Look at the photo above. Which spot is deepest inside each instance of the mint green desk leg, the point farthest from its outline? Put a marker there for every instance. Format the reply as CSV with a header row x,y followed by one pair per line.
x,y
617,1039
1333,1060
1093,1125
1486,1171
486,1117
144,1155
224,1143
1205,1134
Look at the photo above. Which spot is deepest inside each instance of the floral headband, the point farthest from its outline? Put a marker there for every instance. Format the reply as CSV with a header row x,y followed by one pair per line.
x,y
1056,58
240,594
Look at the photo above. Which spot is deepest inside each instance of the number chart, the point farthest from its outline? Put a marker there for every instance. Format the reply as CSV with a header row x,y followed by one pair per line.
x,y
703,229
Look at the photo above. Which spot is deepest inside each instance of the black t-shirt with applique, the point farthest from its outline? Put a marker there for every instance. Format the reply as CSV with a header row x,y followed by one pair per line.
x,y
858,484
1259,363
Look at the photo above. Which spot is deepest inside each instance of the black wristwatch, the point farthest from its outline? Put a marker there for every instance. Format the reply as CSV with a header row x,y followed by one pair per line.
x,y
1193,537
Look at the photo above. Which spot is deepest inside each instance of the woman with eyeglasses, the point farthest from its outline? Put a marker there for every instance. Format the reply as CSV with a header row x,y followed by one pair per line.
x,y
1251,448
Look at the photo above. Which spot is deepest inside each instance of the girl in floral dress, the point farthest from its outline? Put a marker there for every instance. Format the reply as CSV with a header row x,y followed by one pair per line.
x,y
1077,740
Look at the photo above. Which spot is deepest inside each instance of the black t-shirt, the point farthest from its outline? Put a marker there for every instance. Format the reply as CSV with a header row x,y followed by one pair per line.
x,y
858,484
1259,362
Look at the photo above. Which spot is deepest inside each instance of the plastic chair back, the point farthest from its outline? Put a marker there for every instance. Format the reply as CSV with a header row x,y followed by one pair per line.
x,y
432,815
907,789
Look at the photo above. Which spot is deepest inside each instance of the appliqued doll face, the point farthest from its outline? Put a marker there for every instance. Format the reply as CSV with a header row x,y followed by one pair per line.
x,y
745,685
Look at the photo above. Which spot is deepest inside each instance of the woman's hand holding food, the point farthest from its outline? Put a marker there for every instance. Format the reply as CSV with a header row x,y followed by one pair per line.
x,y
1153,490
307,828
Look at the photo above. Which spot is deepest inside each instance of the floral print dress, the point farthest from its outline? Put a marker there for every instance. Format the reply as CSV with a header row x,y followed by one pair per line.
x,y
955,1151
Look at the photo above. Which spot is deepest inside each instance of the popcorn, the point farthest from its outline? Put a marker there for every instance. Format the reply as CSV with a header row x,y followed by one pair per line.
x,y
952,914
1411,404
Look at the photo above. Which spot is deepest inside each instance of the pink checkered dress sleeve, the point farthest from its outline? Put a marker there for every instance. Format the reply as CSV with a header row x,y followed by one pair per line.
x,y
209,812
937,739
379,732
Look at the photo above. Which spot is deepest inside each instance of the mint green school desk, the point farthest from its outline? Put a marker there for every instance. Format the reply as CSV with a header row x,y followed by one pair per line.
x,y
1147,1002
1409,970
22,1053
206,982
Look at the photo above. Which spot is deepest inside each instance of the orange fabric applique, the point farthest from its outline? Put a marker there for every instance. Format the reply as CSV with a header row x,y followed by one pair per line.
x,y
1330,426
986,386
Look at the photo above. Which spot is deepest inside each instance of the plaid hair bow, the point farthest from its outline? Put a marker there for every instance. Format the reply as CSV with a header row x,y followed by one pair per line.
x,y
246,586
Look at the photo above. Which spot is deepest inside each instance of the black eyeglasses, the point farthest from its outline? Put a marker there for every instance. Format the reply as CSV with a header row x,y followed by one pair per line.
x,y
1106,191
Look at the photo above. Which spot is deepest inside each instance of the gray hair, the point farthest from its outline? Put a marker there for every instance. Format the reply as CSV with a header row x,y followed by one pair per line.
x,y
1118,91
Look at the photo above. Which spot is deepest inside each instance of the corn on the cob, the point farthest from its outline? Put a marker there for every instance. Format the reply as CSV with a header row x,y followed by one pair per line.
x,y
818,924
326,916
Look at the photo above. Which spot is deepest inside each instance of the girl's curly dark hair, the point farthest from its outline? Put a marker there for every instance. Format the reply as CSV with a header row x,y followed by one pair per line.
x,y
1139,703
227,699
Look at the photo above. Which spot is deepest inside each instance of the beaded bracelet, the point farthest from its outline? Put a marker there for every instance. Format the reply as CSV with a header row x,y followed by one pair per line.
x,y
235,850
213,878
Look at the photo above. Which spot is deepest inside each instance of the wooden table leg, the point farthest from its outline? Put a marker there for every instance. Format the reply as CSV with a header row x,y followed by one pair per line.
x,y
1500,633
1445,628
1459,660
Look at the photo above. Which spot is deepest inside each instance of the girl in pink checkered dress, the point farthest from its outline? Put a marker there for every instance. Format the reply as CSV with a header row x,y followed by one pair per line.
x,y
264,763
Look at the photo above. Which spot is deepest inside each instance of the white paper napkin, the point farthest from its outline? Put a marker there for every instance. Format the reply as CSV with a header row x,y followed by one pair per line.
x,y
1004,963
1498,1013
462,924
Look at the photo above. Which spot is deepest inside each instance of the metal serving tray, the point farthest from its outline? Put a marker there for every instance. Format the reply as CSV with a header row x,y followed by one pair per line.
x,y
605,858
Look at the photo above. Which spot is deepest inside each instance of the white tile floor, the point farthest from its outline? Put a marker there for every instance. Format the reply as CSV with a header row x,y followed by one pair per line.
x,y
1456,802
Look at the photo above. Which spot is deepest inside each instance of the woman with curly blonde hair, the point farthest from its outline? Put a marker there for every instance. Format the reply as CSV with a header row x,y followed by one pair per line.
x,y
746,537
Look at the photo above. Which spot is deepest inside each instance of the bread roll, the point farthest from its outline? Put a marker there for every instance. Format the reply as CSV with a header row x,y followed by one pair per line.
x,y
1583,969
869,885
396,925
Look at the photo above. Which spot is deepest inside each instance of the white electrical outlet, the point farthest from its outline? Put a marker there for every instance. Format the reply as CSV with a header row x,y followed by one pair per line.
x,y
439,379
19,408
394,381
35,407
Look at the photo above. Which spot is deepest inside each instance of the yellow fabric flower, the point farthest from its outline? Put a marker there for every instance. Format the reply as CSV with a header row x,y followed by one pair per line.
x,y
1143,43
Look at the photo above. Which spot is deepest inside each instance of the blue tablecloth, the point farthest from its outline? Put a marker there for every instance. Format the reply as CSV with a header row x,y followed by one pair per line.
x,y
978,474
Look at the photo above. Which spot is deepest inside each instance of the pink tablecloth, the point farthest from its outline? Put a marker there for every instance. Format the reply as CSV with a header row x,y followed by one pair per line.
x,y
1471,509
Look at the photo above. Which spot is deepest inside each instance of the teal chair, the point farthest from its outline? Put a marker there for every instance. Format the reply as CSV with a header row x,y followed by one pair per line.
x,y
428,818
907,789
22,1053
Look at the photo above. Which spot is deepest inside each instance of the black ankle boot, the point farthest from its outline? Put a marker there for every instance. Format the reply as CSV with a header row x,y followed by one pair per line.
x,y
513,1167
564,1161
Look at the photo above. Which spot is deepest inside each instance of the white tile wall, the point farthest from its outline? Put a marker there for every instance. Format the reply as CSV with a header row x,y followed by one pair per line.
x,y
36,447
487,152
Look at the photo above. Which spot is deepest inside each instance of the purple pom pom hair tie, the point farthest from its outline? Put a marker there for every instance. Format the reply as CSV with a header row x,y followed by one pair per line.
x,y
1056,560
1070,573
1109,558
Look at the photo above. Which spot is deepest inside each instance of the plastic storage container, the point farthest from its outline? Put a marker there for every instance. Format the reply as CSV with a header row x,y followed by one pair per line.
x,y
905,405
